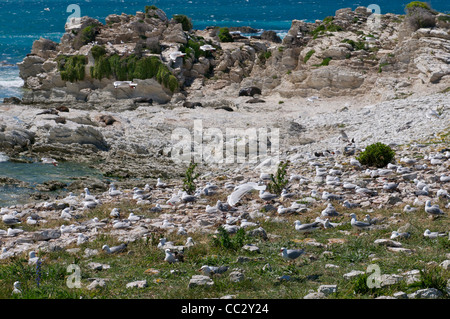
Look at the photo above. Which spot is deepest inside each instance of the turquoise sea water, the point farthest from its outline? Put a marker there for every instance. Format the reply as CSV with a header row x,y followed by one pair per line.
x,y
36,173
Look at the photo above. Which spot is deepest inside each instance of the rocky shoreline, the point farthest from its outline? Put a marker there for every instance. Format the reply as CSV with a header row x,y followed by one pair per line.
x,y
375,77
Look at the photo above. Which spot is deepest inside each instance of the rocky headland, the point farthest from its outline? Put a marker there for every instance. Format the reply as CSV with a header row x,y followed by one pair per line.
x,y
375,77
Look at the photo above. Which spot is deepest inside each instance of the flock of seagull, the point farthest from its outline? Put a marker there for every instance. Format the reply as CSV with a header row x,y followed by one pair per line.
x,y
231,212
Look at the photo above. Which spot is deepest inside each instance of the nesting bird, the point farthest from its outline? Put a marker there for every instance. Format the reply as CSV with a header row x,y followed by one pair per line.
x,y
291,254
433,210
115,249
306,228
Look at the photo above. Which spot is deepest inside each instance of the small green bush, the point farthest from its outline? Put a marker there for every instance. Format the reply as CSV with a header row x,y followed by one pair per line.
x,y
378,155
98,51
88,34
432,278
223,240
184,20
189,178
224,35
308,55
278,181
148,8
417,4
420,15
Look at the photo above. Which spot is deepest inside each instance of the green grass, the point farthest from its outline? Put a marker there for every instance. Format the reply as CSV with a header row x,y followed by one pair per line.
x,y
325,62
308,272
308,55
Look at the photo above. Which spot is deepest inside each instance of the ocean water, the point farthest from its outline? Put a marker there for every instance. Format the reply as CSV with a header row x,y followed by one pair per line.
x,y
23,21
36,173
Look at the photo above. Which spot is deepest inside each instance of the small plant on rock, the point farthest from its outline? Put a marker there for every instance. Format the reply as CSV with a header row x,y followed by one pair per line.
x,y
378,155
278,181
188,181
224,35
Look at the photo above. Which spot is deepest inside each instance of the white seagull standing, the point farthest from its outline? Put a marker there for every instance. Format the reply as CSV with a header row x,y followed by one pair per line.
x,y
433,210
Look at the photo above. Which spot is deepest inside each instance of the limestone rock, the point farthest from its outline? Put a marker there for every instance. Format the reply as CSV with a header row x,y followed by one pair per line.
x,y
200,280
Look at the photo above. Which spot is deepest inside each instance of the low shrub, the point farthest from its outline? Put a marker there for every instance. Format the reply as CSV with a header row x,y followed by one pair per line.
x,y
378,155
184,20
420,15
224,35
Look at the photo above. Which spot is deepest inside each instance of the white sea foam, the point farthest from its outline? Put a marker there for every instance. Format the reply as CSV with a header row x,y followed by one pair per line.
x,y
11,83
3,157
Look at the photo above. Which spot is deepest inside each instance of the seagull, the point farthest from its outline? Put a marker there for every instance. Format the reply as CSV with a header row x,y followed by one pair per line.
x,y
436,234
10,220
433,210
306,228
121,224
189,242
115,249
132,217
186,198
211,209
284,210
444,178
82,239
14,232
176,198
181,231
207,47
291,254
160,184
358,224
88,196
409,209
355,162
285,194
348,185
329,196
115,213
49,160
113,191
209,189
372,221
347,204
442,193
212,270
170,258
65,213
176,54
266,196
163,242
330,211
396,234
390,186
156,209
241,190
32,258
16,289
31,221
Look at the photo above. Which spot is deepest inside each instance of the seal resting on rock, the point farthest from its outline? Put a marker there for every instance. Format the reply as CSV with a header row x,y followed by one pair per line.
x,y
107,119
